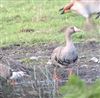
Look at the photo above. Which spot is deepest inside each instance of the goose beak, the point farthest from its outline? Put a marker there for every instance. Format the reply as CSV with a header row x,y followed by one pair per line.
x,y
61,11
76,29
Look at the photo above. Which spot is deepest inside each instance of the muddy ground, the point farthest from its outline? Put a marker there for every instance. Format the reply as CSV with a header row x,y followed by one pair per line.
x,y
38,55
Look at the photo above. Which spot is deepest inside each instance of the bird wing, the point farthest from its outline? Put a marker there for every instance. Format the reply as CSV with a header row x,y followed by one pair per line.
x,y
55,55
16,65
67,56
4,71
62,62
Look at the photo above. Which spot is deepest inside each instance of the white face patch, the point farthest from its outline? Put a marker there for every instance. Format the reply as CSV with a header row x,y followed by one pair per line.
x,y
76,29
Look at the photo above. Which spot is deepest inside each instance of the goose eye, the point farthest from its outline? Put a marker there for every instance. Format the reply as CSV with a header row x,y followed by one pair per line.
x,y
72,28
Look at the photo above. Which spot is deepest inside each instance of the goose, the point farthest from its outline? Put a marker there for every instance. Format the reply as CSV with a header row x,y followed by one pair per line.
x,y
5,71
13,71
85,8
65,56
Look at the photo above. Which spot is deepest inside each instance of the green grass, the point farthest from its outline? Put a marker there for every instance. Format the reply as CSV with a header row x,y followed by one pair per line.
x,y
42,16
76,88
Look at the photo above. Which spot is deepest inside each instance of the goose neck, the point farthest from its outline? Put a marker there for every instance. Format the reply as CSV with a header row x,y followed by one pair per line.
x,y
68,39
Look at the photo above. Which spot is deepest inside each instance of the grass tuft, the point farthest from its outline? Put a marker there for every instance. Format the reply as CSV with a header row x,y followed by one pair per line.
x,y
43,17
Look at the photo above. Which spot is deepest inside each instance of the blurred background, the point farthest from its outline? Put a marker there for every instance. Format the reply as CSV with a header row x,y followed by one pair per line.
x,y
35,21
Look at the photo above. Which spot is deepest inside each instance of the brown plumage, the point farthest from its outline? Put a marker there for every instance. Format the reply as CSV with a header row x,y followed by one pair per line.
x,y
85,8
65,56
5,71
13,71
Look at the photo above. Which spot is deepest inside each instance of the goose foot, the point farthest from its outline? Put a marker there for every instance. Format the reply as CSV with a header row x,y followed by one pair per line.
x,y
12,82
70,72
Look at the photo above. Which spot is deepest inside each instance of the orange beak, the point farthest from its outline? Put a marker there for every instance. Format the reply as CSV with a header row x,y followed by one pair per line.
x,y
76,29
66,8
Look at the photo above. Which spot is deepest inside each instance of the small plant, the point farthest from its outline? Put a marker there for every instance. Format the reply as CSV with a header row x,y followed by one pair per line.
x,y
76,88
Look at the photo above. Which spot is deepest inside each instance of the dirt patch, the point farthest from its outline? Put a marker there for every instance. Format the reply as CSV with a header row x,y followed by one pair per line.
x,y
27,30
40,54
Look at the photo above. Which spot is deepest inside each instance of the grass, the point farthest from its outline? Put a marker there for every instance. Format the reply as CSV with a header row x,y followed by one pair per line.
x,y
41,16
76,88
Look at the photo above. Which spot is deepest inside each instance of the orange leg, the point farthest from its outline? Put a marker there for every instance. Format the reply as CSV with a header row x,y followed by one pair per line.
x,y
70,72
13,82
56,79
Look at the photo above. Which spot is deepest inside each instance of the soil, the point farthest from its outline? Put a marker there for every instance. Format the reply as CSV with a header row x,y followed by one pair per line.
x,y
88,69
39,55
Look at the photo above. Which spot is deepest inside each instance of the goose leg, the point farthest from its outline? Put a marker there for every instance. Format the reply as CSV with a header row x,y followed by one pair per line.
x,y
77,70
88,22
55,77
54,73
90,25
56,80
70,72
13,82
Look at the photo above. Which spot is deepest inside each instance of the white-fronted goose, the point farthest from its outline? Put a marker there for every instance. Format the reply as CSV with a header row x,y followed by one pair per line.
x,y
86,8
65,56
13,70
5,71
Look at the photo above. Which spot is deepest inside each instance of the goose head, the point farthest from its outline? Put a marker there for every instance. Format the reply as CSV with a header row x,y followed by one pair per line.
x,y
70,30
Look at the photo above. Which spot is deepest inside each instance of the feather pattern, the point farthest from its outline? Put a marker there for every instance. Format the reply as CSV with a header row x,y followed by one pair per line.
x,y
65,55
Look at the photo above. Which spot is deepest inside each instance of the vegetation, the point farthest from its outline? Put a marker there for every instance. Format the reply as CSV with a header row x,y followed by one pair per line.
x,y
5,88
76,88
35,21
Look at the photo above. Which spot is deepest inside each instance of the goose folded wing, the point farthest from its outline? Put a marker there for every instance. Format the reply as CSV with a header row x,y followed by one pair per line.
x,y
68,58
